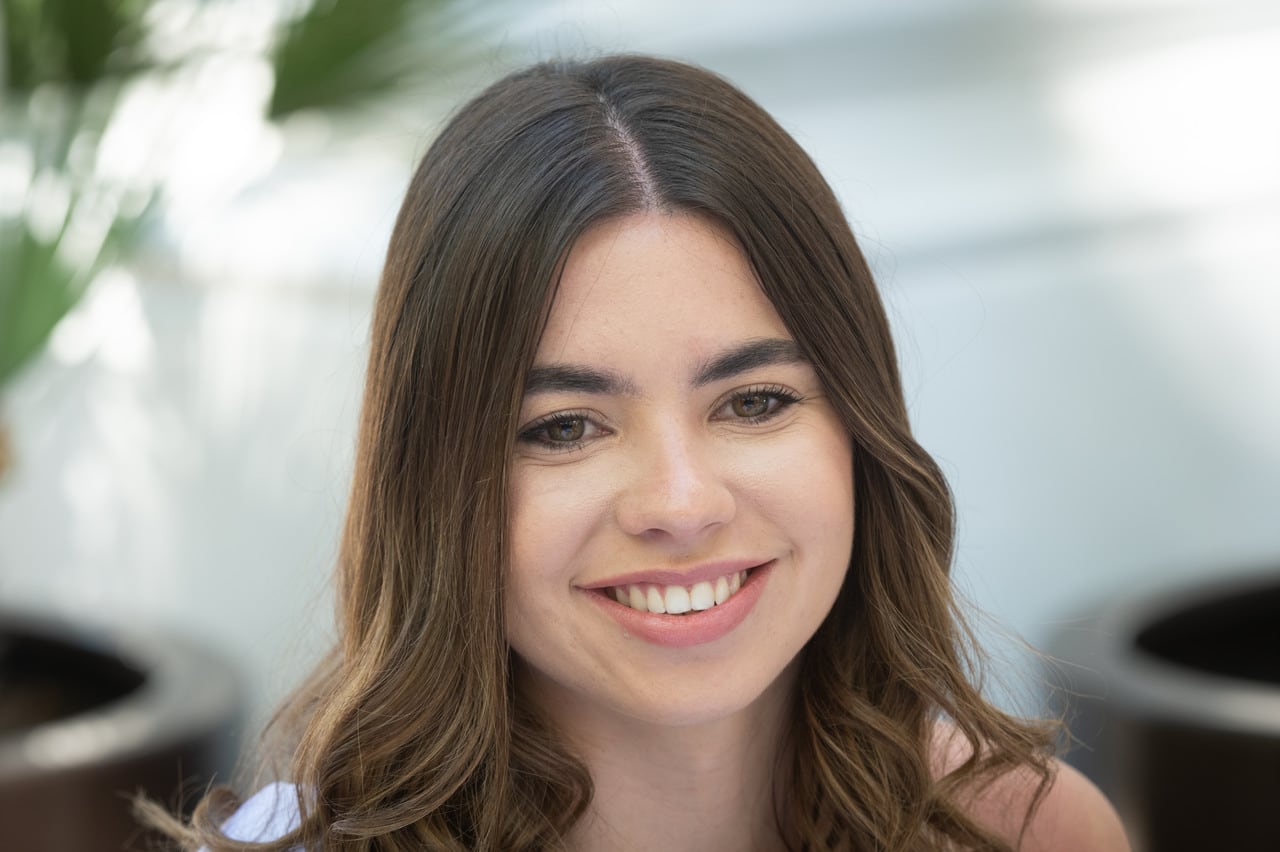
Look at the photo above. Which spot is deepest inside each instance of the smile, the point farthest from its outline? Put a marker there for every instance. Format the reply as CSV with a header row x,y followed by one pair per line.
x,y
656,607
677,600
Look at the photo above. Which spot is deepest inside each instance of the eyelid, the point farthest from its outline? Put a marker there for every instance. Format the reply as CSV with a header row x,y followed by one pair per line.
x,y
552,417
527,434
786,398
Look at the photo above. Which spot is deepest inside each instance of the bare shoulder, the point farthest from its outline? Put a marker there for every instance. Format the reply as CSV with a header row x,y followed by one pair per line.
x,y
1073,814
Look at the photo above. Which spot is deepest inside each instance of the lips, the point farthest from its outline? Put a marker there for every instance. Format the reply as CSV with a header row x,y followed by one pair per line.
x,y
686,612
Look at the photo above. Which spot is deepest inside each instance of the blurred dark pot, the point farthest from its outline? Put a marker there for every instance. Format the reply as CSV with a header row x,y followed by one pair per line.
x,y
88,718
1175,700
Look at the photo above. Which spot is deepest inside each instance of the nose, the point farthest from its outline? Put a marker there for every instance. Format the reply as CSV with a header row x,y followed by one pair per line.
x,y
674,490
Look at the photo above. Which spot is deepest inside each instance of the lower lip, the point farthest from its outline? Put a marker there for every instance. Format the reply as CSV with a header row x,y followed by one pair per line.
x,y
692,628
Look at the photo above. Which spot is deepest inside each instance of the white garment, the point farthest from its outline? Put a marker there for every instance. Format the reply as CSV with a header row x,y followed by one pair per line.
x,y
266,815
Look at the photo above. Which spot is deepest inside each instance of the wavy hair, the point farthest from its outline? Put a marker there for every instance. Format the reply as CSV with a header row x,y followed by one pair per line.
x,y
411,734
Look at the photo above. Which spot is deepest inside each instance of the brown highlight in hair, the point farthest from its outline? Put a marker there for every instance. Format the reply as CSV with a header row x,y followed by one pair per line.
x,y
412,734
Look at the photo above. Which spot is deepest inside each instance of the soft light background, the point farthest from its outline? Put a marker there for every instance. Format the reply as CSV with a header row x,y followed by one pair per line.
x,y
1072,205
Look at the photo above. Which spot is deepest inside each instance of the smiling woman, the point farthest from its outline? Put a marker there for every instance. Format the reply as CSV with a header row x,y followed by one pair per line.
x,y
641,553
709,460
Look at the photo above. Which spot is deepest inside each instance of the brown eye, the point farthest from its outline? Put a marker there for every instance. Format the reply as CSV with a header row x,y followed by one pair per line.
x,y
563,432
566,430
752,404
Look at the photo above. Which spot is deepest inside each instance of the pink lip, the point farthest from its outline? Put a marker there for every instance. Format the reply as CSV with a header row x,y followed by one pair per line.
x,y
707,571
693,628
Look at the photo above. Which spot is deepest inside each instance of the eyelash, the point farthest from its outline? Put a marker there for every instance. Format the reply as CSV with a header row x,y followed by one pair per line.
x,y
785,399
532,434
535,432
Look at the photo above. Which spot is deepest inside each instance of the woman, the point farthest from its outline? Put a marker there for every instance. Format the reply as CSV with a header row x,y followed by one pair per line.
x,y
641,553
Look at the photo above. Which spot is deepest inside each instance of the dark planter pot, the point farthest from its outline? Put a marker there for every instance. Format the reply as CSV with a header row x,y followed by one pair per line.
x,y
89,718
1175,703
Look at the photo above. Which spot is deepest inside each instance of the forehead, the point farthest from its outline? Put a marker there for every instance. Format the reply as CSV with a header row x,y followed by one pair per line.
x,y
657,278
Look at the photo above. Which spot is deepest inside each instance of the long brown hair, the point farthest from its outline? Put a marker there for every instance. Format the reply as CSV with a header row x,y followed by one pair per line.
x,y
411,735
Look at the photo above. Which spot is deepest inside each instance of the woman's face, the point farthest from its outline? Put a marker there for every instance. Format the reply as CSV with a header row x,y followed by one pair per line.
x,y
672,439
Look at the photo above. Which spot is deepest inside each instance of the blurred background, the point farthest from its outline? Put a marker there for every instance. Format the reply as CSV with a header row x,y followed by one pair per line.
x,y
1072,207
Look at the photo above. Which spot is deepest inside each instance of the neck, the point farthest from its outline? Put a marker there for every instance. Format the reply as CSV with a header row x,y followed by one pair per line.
x,y
708,786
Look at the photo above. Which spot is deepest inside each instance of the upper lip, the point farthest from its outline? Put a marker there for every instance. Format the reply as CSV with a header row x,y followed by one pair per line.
x,y
678,576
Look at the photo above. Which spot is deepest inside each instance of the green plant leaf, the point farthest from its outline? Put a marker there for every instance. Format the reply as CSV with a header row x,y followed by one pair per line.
x,y
36,291
97,34
30,50
345,53
38,287
77,43
337,55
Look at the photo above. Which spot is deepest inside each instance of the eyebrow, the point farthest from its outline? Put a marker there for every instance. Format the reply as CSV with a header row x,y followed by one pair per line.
x,y
761,352
561,378
573,378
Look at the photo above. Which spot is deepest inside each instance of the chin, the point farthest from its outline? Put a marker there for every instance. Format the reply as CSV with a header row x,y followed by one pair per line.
x,y
685,697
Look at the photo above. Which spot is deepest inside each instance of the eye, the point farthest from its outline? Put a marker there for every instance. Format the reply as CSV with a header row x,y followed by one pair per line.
x,y
559,432
756,405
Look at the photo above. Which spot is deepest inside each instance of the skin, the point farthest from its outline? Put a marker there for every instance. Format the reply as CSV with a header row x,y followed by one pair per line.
x,y
654,470
669,474
1074,814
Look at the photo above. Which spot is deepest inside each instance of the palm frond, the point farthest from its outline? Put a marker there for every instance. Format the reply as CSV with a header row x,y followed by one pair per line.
x,y
343,53
75,43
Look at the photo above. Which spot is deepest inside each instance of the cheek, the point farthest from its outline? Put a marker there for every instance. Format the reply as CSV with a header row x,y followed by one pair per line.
x,y
808,481
812,496
533,543
524,526
552,513
532,540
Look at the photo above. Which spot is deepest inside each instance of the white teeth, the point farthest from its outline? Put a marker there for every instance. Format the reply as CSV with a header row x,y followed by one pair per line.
x,y
722,590
677,600
653,600
636,598
701,596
